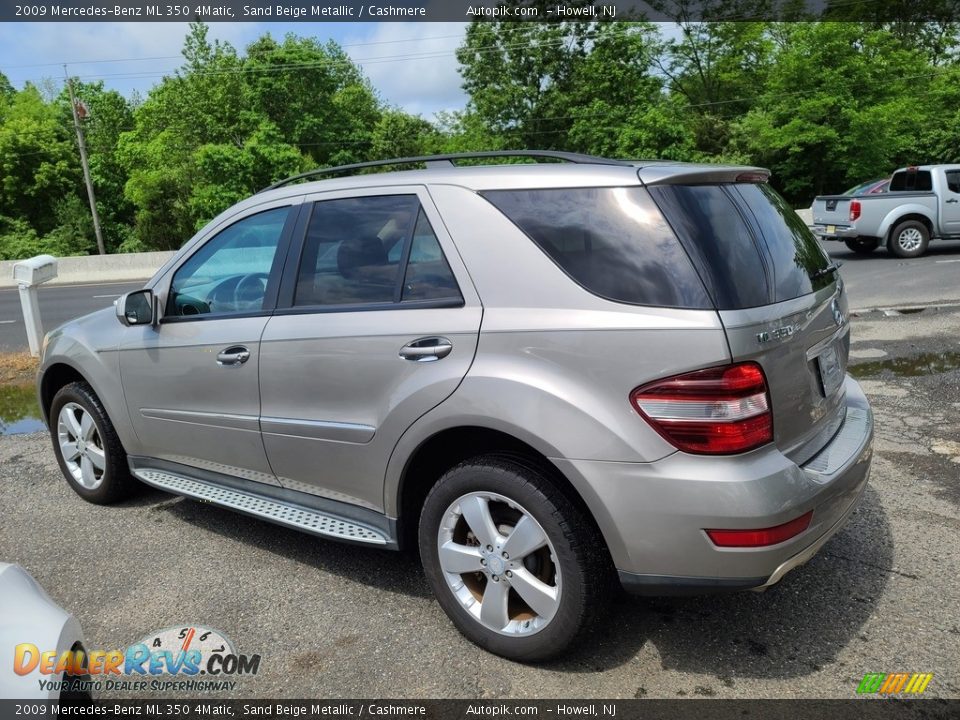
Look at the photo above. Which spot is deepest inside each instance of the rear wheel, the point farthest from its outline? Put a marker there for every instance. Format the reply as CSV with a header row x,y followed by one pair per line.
x,y
909,239
518,568
862,247
87,447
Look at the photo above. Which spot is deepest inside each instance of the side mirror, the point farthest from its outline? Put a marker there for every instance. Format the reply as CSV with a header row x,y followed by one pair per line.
x,y
137,308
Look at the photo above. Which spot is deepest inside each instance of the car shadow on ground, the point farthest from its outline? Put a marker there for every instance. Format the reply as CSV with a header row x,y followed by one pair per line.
x,y
793,629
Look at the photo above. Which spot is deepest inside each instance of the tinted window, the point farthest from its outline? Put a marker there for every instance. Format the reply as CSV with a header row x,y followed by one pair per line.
x,y
953,181
612,241
719,241
795,253
357,249
229,273
428,276
911,180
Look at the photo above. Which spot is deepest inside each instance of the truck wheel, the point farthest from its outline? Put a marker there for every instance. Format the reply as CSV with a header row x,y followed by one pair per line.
x,y
862,247
909,239
87,447
518,568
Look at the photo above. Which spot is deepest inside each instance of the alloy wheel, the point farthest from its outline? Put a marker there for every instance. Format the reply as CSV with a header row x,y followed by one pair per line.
x,y
81,446
910,239
499,563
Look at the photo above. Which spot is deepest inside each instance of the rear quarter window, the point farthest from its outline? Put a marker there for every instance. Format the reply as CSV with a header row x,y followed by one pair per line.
x,y
613,242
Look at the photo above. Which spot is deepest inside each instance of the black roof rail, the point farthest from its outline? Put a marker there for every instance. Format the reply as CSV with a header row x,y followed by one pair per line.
x,y
448,159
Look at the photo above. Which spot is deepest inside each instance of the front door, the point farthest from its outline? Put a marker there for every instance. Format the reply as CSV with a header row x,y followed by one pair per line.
x,y
377,325
191,383
950,205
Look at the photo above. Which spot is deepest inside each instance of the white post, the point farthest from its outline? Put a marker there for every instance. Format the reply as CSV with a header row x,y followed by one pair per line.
x,y
29,301
29,274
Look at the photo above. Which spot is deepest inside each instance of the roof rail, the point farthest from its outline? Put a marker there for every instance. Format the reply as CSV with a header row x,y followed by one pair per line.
x,y
448,161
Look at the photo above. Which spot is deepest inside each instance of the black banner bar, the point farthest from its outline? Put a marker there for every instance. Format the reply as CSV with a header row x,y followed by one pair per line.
x,y
466,10
857,708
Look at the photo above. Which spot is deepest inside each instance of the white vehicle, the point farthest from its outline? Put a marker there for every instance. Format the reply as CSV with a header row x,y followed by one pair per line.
x,y
28,615
923,203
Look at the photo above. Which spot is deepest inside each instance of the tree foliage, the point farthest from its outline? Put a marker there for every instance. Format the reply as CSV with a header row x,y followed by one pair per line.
x,y
823,104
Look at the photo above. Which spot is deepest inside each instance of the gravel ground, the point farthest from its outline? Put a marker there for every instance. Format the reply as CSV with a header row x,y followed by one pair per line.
x,y
337,621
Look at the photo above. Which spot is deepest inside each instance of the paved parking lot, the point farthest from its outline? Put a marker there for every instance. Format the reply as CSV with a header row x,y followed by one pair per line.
x,y
333,620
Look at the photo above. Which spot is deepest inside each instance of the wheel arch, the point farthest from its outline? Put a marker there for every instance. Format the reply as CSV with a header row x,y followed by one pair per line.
x,y
891,225
54,377
443,449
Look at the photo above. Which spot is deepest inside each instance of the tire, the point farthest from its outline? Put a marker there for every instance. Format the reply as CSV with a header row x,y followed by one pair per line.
x,y
862,247
93,441
909,239
565,583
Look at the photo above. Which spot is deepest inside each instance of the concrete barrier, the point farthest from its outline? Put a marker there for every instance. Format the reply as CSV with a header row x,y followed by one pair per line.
x,y
97,268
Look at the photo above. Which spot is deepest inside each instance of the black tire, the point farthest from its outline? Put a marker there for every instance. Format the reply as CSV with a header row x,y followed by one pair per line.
x,y
115,481
899,245
581,555
862,247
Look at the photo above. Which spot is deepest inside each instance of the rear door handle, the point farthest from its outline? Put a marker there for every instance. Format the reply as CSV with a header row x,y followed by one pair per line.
x,y
232,356
426,349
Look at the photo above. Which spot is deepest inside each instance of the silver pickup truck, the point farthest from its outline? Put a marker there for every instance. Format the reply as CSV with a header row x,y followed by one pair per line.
x,y
923,203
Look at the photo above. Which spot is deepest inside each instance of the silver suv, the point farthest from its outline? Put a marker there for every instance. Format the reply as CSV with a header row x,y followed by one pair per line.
x,y
546,376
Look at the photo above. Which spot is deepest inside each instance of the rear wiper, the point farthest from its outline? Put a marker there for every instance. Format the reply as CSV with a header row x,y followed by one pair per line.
x,y
831,268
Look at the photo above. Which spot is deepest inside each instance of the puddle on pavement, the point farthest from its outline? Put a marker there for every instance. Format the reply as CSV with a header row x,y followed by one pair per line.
x,y
911,366
19,411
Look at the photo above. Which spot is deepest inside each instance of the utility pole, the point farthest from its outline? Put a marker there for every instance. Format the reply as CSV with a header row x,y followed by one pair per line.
x,y
86,166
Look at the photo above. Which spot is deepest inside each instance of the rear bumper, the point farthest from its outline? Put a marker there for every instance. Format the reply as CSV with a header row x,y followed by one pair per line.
x,y
839,232
653,515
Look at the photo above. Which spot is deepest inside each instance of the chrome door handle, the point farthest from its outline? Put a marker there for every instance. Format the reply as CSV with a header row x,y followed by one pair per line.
x,y
426,349
232,356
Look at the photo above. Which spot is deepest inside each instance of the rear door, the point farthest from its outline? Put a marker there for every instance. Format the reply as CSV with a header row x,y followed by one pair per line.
x,y
778,303
377,323
950,204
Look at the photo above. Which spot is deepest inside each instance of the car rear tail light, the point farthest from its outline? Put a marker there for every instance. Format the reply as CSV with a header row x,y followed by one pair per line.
x,y
718,411
854,210
760,538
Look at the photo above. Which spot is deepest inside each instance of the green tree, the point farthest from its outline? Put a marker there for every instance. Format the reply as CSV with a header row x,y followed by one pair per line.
x,y
839,105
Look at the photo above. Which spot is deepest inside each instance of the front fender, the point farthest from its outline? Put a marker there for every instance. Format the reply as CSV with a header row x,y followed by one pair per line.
x,y
89,346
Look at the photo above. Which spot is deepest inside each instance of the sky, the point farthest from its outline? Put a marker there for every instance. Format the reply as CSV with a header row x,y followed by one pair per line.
x,y
412,65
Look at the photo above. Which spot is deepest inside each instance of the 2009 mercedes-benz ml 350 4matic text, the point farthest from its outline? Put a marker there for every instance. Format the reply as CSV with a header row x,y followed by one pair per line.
x,y
544,375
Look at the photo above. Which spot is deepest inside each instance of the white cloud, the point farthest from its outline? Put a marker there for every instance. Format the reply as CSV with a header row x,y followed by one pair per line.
x,y
412,65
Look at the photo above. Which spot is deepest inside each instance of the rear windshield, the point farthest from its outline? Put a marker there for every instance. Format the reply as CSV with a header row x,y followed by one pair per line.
x,y
612,241
746,242
915,180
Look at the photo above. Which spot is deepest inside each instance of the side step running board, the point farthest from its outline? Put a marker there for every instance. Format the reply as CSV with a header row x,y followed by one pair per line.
x,y
281,513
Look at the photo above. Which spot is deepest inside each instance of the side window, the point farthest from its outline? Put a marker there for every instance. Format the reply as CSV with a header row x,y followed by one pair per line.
x,y
428,275
911,181
613,242
371,250
229,273
953,181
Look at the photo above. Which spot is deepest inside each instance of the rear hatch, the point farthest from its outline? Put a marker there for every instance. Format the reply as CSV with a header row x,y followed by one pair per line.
x,y
832,210
780,304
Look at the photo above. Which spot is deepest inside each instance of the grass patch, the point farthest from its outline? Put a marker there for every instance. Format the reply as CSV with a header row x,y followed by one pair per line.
x,y
17,367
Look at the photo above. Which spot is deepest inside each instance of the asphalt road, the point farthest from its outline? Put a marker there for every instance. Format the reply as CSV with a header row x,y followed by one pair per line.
x,y
58,303
335,621
882,280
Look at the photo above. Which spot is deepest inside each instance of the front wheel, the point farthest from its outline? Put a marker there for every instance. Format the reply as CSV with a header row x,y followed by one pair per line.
x,y
88,450
862,247
909,239
518,567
